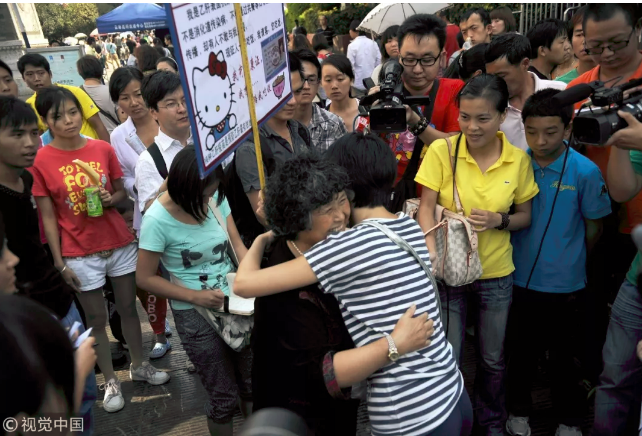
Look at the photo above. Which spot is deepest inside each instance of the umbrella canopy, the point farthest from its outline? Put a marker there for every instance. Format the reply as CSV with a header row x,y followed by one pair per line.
x,y
94,32
70,40
391,14
80,35
133,16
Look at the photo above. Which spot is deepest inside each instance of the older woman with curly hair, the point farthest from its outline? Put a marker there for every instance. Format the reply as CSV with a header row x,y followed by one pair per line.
x,y
304,358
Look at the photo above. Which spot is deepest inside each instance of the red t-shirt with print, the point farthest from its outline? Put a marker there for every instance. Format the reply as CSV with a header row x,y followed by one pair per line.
x,y
56,176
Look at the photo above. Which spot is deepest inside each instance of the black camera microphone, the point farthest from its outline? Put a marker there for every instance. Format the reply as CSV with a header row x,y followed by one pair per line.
x,y
575,94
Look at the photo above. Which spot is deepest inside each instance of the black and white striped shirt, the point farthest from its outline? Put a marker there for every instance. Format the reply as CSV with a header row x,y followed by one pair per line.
x,y
375,283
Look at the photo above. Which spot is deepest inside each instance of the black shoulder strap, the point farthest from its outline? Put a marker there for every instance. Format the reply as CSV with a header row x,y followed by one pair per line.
x,y
413,165
154,151
103,112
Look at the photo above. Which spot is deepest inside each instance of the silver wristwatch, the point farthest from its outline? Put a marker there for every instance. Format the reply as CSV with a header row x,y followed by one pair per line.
x,y
393,353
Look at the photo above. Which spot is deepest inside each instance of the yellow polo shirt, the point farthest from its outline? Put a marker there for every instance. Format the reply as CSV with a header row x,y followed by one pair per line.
x,y
509,180
89,109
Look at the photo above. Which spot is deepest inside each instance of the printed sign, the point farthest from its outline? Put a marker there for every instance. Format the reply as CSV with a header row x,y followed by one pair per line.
x,y
211,67
62,61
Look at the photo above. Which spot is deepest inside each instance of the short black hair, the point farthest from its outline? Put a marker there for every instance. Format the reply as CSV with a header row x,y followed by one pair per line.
x,y
300,41
157,86
37,354
305,55
577,18
354,24
295,64
35,60
541,104
121,78
131,45
143,41
605,11
488,86
370,164
319,42
544,33
468,63
168,37
185,186
297,188
506,15
167,60
341,63
422,25
300,30
52,98
90,40
89,67
146,56
514,47
483,15
388,34
15,113
157,41
6,67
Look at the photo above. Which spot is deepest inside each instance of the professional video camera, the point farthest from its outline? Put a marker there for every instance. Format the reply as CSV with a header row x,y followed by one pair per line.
x,y
389,114
595,126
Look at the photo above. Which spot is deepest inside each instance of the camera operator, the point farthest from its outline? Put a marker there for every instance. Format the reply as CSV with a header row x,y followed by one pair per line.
x,y
617,400
422,38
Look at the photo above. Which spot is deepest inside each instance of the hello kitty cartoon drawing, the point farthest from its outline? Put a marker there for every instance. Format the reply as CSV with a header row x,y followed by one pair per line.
x,y
214,105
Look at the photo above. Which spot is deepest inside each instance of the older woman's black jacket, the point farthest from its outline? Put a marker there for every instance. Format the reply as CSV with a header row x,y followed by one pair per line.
x,y
295,335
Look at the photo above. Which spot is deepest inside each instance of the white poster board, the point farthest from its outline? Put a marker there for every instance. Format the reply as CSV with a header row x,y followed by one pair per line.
x,y
206,39
62,61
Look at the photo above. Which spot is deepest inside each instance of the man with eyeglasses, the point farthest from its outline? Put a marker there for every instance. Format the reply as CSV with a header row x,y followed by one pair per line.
x,y
324,126
163,94
422,40
611,39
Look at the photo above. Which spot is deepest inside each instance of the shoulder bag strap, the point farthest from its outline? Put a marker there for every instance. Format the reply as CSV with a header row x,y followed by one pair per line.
x,y
453,167
102,112
159,161
223,223
401,243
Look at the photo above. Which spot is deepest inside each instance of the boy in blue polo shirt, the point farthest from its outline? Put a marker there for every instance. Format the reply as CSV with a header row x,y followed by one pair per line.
x,y
550,267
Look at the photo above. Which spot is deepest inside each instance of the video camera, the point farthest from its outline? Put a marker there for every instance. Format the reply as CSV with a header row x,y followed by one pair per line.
x,y
596,126
389,114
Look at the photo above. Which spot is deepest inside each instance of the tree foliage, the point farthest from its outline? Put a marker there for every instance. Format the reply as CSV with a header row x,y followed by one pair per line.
x,y
59,21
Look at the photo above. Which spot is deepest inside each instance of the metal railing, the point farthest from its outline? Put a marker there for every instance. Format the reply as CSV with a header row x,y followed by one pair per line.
x,y
531,13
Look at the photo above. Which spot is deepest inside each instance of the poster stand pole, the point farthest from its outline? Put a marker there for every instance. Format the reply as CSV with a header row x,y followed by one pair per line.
x,y
250,92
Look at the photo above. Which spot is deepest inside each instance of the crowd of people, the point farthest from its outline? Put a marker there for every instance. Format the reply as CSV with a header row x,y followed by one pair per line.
x,y
354,294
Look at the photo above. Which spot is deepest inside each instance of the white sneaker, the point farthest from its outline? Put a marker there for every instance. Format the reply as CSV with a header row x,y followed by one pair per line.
x,y
113,401
564,430
168,328
148,373
518,426
160,350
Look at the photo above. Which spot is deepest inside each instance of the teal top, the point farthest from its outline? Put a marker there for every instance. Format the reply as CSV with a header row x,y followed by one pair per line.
x,y
568,77
190,252
632,275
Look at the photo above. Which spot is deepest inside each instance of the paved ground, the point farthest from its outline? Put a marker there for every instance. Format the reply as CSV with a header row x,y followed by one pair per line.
x,y
177,407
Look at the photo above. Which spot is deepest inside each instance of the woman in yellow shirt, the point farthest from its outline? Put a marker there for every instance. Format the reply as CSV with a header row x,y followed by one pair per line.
x,y
492,175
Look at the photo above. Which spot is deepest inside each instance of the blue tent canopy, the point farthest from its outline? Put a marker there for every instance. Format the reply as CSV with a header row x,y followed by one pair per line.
x,y
133,16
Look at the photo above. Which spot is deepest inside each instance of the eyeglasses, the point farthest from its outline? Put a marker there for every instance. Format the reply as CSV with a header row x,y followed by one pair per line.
x,y
312,80
174,105
615,46
425,62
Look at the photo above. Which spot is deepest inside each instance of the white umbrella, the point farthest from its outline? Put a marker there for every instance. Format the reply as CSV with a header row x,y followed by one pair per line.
x,y
94,32
124,34
390,14
80,35
70,40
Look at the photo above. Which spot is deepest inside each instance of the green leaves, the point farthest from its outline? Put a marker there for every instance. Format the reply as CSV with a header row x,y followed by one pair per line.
x,y
61,20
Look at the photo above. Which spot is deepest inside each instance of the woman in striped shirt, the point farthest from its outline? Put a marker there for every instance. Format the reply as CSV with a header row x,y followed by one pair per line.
x,y
375,281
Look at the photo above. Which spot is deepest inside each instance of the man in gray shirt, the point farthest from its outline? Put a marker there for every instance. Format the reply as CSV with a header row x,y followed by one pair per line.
x,y
283,138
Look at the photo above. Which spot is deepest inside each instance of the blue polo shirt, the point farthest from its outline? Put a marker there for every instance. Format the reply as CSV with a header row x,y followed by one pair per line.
x,y
561,267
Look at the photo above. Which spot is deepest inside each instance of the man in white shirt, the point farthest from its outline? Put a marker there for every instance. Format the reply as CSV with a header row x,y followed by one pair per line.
x,y
508,56
164,96
364,55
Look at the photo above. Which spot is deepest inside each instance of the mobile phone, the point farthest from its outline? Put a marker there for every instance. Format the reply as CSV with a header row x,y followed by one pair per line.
x,y
368,83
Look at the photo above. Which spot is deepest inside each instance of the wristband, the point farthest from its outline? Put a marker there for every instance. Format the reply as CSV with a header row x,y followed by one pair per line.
x,y
420,127
505,221
63,269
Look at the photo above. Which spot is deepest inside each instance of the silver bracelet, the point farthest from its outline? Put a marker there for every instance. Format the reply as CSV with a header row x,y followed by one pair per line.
x,y
63,269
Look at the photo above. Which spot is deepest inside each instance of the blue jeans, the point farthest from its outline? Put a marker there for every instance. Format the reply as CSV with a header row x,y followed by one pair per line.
x,y
617,400
89,394
491,299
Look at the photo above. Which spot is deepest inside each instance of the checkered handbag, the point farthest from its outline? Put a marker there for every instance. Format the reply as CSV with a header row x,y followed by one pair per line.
x,y
457,262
